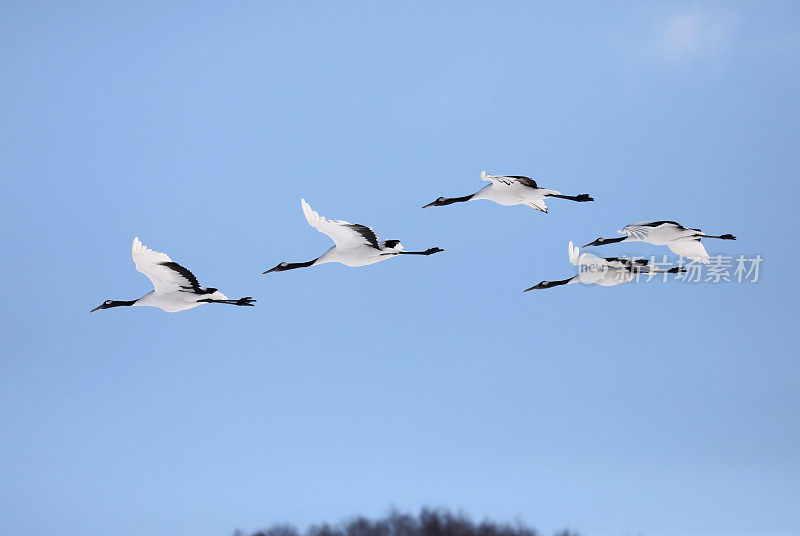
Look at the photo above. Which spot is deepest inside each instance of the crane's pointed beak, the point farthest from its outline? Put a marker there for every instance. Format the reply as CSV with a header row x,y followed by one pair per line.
x,y
96,308
429,204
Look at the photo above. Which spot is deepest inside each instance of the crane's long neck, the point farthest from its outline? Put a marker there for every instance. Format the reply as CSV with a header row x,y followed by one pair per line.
x,y
122,303
282,267
451,200
293,265
612,240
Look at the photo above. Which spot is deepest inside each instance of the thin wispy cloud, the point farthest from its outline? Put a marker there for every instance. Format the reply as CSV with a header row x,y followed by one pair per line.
x,y
694,33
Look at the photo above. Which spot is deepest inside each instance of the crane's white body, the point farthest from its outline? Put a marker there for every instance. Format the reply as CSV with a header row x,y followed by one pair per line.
x,y
610,271
599,271
175,287
359,255
507,190
175,302
173,290
679,239
511,190
354,245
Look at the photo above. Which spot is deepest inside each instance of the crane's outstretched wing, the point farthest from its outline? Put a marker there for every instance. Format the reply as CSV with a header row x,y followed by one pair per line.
x,y
166,275
344,234
691,248
670,230
637,231
509,179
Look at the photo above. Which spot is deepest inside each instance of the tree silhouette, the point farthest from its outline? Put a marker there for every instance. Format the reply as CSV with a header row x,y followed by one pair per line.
x,y
429,522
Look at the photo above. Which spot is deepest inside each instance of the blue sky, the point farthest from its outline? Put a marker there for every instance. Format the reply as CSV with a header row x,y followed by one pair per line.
x,y
664,409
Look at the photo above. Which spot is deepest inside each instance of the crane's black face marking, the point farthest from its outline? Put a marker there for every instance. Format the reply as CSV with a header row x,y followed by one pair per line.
x,y
548,284
539,286
603,241
438,202
108,304
282,267
441,201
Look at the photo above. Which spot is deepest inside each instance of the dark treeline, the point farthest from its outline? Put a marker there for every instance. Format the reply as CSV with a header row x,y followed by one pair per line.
x,y
429,522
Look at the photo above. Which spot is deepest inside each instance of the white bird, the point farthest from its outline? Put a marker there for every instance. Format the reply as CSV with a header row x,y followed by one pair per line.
x,y
176,288
606,272
681,240
511,190
354,244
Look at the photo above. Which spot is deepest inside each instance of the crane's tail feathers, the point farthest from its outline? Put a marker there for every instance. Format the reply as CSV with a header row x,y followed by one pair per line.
x,y
574,253
538,205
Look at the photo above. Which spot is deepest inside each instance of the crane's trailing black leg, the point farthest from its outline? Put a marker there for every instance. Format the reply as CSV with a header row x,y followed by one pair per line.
x,y
580,198
723,237
429,251
248,301
674,270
